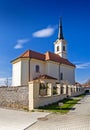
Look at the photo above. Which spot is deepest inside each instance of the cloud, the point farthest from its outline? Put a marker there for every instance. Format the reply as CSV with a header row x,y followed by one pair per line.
x,y
20,43
46,32
83,65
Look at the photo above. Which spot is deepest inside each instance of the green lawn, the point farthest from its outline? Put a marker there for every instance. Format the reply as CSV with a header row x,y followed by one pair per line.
x,y
68,104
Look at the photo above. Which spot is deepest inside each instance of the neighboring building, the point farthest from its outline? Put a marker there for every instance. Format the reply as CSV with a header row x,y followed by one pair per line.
x,y
31,65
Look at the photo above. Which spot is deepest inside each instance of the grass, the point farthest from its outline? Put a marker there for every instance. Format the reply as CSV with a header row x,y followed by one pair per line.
x,y
68,104
81,96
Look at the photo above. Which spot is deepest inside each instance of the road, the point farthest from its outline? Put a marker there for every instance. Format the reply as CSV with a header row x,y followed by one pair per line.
x,y
76,119
18,120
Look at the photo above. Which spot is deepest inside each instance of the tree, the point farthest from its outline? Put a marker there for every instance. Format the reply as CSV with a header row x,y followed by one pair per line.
x,y
7,82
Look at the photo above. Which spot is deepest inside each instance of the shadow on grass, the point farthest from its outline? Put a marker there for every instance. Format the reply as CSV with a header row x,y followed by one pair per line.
x,y
67,105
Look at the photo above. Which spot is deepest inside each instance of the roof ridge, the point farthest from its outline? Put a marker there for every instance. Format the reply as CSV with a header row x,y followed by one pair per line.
x,y
45,57
24,53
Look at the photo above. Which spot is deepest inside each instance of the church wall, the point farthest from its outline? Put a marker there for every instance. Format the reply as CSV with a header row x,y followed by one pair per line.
x,y
24,72
52,69
68,73
16,74
33,73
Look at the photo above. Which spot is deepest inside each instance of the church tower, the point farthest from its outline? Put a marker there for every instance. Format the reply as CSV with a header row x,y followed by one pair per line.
x,y
60,46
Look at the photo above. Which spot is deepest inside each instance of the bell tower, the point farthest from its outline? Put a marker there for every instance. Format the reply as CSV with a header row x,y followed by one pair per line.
x,y
60,46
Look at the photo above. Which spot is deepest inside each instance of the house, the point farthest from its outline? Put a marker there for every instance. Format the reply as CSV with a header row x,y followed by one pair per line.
x,y
32,65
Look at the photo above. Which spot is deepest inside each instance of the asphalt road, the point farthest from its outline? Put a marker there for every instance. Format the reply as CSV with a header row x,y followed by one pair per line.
x,y
77,119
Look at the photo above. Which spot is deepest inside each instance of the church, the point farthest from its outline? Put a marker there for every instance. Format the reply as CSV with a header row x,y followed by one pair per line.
x,y
32,65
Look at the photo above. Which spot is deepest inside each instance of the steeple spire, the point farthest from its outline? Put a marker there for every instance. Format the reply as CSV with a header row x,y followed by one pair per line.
x,y
60,32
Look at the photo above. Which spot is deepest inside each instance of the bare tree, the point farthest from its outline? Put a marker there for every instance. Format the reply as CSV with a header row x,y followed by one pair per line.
x,y
7,82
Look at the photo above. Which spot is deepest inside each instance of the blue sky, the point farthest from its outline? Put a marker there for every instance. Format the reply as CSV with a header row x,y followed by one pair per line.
x,y
33,24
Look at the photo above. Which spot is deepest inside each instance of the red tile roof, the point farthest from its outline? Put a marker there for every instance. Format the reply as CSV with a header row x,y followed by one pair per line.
x,y
86,85
45,77
33,54
55,57
48,56
78,84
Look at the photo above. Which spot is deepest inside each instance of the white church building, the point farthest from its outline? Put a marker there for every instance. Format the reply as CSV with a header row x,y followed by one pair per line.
x,y
33,65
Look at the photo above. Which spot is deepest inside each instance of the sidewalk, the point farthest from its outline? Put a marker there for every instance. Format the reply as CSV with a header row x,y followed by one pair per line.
x,y
77,119
18,120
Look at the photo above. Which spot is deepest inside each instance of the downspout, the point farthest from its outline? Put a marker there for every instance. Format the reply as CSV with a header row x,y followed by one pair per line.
x,y
59,72
29,70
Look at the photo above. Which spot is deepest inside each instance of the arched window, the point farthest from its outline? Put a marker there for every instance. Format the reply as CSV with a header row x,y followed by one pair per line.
x,y
61,76
63,48
57,48
37,68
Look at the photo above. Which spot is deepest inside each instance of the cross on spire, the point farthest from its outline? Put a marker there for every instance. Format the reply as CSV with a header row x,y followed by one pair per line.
x,y
60,32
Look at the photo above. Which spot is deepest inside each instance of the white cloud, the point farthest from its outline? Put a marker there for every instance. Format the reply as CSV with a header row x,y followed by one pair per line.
x,y
20,43
83,65
46,32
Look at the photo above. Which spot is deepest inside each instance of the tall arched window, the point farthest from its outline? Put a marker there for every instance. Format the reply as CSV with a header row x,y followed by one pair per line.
x,y
61,76
63,48
57,48
37,69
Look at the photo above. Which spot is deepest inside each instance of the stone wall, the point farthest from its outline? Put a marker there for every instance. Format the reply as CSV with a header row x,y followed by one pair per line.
x,y
14,97
30,97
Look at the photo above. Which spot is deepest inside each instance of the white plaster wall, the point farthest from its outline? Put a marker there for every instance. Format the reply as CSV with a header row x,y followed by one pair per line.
x,y
16,74
61,43
33,64
68,73
20,71
24,72
50,99
52,69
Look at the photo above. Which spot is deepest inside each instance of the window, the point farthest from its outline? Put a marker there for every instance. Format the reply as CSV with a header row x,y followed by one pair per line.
x,y
57,48
37,68
62,90
63,48
61,76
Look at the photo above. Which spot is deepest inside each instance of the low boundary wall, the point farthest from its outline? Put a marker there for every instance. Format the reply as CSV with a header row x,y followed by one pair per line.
x,y
30,97
36,100
14,97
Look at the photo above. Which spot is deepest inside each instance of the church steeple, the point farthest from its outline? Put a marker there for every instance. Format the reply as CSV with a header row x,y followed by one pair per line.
x,y
60,46
60,32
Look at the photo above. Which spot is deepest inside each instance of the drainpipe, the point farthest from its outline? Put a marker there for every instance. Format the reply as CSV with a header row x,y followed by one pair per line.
x,y
59,72
29,69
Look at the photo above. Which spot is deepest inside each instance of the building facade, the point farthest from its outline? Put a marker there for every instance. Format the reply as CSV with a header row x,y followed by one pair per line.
x,y
31,65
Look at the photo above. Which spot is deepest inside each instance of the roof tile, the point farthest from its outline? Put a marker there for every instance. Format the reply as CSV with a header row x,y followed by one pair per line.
x,y
45,57
33,54
55,57
45,77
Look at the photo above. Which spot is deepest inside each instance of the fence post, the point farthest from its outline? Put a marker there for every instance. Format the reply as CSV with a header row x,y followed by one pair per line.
x,y
49,92
58,89
33,94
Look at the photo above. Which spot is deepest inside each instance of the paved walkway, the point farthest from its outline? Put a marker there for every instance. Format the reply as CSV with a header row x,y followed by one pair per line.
x,y
77,119
18,120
